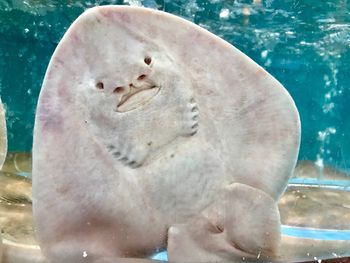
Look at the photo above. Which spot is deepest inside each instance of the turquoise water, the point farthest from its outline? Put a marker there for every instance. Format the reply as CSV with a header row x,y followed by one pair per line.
x,y
303,43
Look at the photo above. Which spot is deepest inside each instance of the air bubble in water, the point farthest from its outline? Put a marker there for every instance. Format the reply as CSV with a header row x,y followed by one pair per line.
x,y
225,13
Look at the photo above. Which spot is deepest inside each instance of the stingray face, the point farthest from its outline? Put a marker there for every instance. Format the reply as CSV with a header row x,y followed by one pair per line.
x,y
133,81
140,109
134,89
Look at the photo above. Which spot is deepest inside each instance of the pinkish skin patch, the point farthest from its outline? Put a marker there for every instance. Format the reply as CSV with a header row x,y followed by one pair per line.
x,y
112,14
124,17
59,61
64,94
50,112
51,121
75,38
98,20
55,65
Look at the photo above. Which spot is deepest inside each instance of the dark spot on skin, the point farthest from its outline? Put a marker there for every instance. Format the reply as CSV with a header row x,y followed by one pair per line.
x,y
195,118
99,85
85,121
116,154
124,159
172,155
194,109
60,61
147,60
98,20
194,126
149,143
141,77
111,147
119,89
132,163
62,189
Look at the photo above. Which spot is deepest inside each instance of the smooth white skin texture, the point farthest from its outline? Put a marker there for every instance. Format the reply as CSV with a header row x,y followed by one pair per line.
x,y
109,184
3,135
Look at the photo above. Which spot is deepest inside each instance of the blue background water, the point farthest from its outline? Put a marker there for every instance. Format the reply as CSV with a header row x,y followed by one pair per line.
x,y
305,44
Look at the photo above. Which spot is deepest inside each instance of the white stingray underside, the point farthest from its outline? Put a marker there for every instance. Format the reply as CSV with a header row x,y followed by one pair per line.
x,y
142,118
3,135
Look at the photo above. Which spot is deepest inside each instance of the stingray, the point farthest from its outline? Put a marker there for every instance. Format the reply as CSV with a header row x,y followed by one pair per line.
x,y
153,133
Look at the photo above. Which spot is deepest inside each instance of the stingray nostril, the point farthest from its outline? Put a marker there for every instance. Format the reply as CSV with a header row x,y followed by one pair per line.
x,y
99,85
147,60
119,90
141,77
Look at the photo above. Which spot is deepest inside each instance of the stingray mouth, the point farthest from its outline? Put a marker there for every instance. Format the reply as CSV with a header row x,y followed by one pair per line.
x,y
137,98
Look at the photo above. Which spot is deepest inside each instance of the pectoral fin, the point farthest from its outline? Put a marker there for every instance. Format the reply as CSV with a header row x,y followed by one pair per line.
x,y
244,222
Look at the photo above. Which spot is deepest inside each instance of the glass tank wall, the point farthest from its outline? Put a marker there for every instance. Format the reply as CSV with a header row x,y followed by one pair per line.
x,y
304,44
